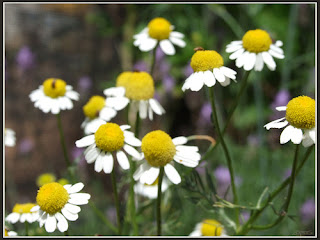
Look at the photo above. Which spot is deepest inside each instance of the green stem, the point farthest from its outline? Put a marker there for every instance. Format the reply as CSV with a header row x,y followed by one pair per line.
x,y
226,152
116,199
103,218
153,63
248,225
159,202
26,228
63,144
137,126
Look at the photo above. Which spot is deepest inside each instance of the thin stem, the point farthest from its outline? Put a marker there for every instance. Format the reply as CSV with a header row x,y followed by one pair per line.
x,y
116,199
26,228
226,152
153,63
137,126
159,202
102,217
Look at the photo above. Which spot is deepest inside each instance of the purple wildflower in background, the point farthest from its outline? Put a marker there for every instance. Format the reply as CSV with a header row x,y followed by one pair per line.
x,y
205,114
25,145
287,173
25,58
76,153
169,83
281,99
140,66
201,168
253,140
112,214
159,54
84,83
307,211
187,71
244,216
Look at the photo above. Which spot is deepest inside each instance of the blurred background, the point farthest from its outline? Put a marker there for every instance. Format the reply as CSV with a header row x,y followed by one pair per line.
x,y
89,45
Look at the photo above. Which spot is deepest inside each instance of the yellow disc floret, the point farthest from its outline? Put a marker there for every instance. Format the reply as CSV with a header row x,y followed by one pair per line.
x,y
94,106
158,148
211,227
204,60
23,208
52,197
123,78
140,86
159,28
109,137
256,41
45,178
301,112
54,87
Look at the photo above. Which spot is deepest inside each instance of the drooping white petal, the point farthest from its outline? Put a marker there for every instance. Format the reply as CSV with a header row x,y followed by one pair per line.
x,y
150,175
240,61
250,62
275,123
176,34
131,151
85,141
233,48
76,188
150,112
118,103
286,134
123,160
73,95
108,163
72,208
92,155
99,162
141,169
209,79
259,63
62,222
51,224
79,200
196,81
68,215
276,54
219,75
185,162
296,136
177,41
131,139
172,174
309,138
114,92
167,47
147,44
226,82
143,109
236,54
179,140
94,125
276,49
107,113
267,58
228,72
156,106
195,156
187,148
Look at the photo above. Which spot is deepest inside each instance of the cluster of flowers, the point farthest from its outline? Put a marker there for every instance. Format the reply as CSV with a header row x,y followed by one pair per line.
x,y
106,141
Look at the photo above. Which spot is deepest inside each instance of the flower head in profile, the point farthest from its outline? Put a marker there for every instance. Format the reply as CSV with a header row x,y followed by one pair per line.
x,y
254,50
159,150
98,111
8,233
56,204
9,137
159,30
109,138
53,96
138,89
22,212
208,227
45,178
208,67
299,121
151,190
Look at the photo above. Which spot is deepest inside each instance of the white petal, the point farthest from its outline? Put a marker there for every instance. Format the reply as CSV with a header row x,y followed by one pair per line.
x,y
68,215
250,62
80,196
242,59
114,91
281,108
267,58
276,54
143,109
185,162
179,140
62,222
150,112
187,148
296,136
309,138
123,160
13,217
150,175
176,34
94,125
236,54
208,78
72,95
226,82
51,224
148,44
108,163
259,63
279,43
76,188
156,107
66,187
286,134
99,162
274,124
219,75
118,103
228,72
92,155
131,139
85,141
107,113
72,208
194,156
172,174
35,208
131,151
140,170
196,81
177,41
125,127
238,42
276,49
167,47
233,48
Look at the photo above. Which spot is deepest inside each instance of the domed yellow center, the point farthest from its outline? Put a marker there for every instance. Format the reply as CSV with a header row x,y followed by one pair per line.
x,y
123,78
23,208
159,28
109,137
301,112
94,106
158,148
211,227
54,87
45,178
52,197
256,41
140,86
205,60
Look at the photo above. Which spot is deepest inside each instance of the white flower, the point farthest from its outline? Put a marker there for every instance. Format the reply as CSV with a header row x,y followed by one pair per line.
x,y
151,190
109,138
9,137
300,116
208,69
159,30
208,227
54,95
57,204
8,233
254,50
22,213
159,150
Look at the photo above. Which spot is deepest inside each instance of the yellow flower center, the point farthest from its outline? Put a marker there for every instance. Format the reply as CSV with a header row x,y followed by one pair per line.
x,y
211,227
63,181
256,41
45,178
204,60
54,87
158,148
94,106
159,28
23,208
109,137
123,78
52,197
140,86
301,112
6,232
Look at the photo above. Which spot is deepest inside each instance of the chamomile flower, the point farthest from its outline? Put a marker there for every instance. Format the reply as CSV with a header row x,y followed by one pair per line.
x,y
159,150
97,111
9,137
57,204
255,49
138,88
54,95
109,138
160,31
299,121
208,227
45,178
151,190
22,213
8,233
208,69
